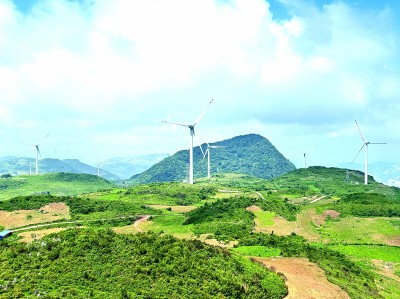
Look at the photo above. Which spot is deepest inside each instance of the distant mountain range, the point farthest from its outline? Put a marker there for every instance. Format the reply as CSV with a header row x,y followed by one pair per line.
x,y
129,166
16,165
248,154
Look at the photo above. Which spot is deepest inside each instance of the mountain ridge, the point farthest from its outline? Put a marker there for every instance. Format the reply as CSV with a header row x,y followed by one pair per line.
x,y
22,165
250,154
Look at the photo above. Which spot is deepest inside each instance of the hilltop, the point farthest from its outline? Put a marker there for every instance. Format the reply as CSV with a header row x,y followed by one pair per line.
x,y
59,184
250,154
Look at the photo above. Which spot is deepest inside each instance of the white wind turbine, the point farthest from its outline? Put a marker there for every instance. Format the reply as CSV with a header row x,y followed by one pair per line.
x,y
304,154
208,153
366,143
192,133
38,153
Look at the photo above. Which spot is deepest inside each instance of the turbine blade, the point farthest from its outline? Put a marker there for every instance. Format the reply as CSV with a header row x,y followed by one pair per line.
x,y
177,124
362,136
197,140
202,113
41,141
37,147
377,143
358,153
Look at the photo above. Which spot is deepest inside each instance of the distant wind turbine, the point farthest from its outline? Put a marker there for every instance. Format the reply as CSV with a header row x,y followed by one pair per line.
x,y
192,134
304,154
38,152
366,143
208,156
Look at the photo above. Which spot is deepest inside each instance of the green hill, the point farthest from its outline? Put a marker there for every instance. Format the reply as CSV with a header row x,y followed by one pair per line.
x,y
59,184
329,181
248,154
83,263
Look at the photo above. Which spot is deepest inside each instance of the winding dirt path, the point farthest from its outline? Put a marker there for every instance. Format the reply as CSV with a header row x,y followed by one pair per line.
x,y
137,223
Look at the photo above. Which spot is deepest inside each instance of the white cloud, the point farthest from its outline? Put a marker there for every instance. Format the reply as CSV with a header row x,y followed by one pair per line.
x,y
118,66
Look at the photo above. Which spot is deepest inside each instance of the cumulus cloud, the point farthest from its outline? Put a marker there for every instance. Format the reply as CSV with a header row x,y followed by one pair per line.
x,y
115,68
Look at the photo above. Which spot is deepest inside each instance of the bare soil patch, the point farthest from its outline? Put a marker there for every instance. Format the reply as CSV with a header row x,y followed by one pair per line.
x,y
253,208
59,208
28,237
49,213
132,228
304,279
319,219
176,209
281,227
215,242
394,241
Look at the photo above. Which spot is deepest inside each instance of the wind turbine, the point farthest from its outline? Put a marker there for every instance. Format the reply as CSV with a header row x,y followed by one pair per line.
x,y
38,153
304,154
366,143
208,156
192,133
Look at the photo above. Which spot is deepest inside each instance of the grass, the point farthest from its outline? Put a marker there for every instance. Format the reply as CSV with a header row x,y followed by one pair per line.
x,y
390,289
384,253
58,184
260,251
359,230
264,218
171,225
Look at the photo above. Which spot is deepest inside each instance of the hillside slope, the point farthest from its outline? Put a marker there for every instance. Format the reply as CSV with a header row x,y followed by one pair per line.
x,y
248,154
59,184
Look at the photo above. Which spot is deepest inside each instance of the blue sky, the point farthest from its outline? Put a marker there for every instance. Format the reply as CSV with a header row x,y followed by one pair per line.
x,y
100,76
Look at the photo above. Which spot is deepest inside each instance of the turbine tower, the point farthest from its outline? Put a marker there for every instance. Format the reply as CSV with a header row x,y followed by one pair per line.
x,y
208,156
38,153
192,134
366,143
304,154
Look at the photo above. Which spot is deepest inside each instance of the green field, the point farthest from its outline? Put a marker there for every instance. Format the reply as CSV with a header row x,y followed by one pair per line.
x,y
359,230
384,253
258,251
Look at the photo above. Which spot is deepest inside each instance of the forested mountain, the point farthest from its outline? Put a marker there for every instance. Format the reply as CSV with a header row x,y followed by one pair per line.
x,y
248,154
16,165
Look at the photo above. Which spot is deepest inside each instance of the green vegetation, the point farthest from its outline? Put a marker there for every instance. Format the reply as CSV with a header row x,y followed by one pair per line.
x,y
160,193
260,251
221,203
60,184
80,208
82,263
331,181
265,218
228,219
356,281
249,154
353,230
368,204
378,252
